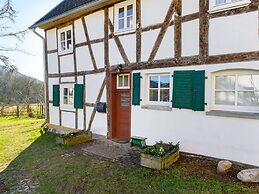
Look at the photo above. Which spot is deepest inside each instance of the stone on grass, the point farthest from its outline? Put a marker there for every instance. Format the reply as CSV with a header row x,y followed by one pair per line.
x,y
224,166
249,175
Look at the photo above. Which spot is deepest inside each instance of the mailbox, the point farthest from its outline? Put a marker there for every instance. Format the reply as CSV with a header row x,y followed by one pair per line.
x,y
101,107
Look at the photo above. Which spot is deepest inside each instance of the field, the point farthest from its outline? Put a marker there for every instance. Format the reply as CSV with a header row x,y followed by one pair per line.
x,y
31,162
23,110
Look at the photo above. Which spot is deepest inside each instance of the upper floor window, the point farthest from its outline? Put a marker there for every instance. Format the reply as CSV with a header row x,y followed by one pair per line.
x,y
68,96
220,5
237,90
65,40
125,16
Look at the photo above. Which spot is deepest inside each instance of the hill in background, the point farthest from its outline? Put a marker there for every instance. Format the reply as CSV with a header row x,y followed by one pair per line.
x,y
16,88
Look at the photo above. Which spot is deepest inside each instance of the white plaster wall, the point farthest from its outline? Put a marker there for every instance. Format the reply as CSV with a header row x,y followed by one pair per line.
x,y
98,50
79,32
99,125
190,6
53,63
95,25
190,38
52,81
68,119
129,45
221,137
67,64
151,14
148,41
166,49
93,86
114,54
111,15
52,39
54,114
84,62
80,119
233,34
67,79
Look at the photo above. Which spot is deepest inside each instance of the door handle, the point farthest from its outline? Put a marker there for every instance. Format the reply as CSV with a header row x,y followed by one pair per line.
x,y
116,93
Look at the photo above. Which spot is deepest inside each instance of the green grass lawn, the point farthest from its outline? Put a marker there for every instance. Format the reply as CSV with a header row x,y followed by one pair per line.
x,y
25,153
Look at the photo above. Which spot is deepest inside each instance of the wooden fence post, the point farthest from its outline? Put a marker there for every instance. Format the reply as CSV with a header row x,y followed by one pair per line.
x,y
17,111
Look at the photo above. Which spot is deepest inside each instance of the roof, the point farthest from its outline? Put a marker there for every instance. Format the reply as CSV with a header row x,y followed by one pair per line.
x,y
63,9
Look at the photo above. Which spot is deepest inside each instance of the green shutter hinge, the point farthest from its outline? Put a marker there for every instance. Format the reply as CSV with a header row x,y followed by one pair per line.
x,y
206,77
205,104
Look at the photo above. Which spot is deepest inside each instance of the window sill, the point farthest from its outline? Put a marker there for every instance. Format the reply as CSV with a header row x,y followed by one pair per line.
x,y
243,115
67,52
229,6
125,31
156,107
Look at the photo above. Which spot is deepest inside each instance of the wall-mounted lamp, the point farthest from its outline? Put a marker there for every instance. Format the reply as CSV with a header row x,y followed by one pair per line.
x,y
119,68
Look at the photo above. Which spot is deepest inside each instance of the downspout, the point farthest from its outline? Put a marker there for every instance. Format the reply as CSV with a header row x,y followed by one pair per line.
x,y
45,73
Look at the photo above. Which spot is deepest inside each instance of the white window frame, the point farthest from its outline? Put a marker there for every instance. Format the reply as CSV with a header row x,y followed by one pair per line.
x,y
235,107
63,105
64,30
124,5
147,90
123,87
230,4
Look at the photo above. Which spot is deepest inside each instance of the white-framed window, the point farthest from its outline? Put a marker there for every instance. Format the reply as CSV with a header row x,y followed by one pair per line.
x,y
65,40
125,16
236,91
220,5
159,89
67,96
123,81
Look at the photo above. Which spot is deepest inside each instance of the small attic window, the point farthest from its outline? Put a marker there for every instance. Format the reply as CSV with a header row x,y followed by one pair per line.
x,y
221,5
125,16
65,40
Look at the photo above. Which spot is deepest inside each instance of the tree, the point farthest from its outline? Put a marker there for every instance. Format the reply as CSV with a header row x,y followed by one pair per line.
x,y
7,16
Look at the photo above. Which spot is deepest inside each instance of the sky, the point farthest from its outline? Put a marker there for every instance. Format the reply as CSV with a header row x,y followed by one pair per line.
x,y
28,12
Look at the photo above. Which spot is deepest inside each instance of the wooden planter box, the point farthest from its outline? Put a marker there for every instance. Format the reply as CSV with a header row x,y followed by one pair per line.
x,y
159,163
76,139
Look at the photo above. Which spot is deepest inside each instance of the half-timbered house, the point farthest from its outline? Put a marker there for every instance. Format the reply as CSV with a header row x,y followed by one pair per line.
x,y
171,70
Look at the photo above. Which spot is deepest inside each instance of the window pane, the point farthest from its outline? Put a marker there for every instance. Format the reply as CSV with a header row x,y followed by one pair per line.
x,y
121,23
71,91
165,81
153,82
65,91
248,82
248,99
62,38
69,44
69,34
130,22
126,81
225,82
121,12
130,10
153,95
218,2
164,95
225,98
71,99
65,100
120,80
63,46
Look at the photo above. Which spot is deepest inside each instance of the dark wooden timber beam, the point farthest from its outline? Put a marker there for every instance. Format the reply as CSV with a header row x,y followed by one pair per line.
x,y
138,31
162,32
178,29
89,43
118,43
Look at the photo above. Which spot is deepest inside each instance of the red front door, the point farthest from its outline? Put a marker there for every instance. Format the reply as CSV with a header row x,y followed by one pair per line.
x,y
121,107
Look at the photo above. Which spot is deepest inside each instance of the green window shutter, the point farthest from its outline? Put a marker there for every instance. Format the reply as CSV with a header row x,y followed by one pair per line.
x,y
182,89
189,90
56,95
136,89
198,90
79,96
